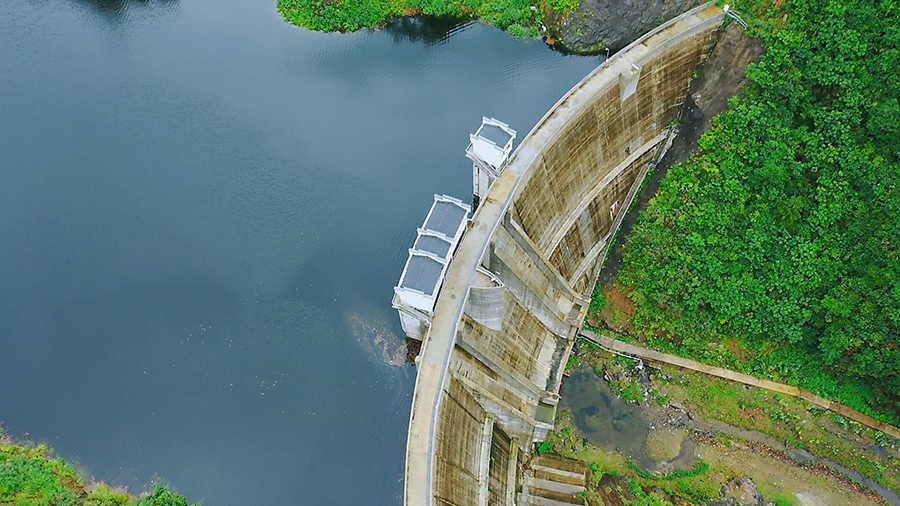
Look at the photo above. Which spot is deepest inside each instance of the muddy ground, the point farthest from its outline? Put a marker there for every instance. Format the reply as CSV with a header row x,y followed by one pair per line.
x,y
739,432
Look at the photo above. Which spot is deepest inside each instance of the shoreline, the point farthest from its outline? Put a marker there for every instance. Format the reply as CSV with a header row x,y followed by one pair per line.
x,y
34,475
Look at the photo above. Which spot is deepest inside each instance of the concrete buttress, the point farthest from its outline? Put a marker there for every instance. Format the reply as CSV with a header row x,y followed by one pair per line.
x,y
491,363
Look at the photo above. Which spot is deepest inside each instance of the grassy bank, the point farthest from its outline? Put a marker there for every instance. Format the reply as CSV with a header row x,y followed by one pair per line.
x,y
614,479
516,16
774,250
782,419
30,476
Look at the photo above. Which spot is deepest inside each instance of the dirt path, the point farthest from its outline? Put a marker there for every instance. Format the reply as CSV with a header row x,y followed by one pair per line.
x,y
806,485
729,452
617,346
790,457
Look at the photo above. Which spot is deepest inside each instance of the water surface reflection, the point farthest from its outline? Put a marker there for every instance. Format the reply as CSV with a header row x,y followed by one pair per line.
x,y
603,418
203,212
120,10
421,29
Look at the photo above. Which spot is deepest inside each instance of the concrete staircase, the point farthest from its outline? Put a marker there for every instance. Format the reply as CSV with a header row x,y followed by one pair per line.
x,y
553,481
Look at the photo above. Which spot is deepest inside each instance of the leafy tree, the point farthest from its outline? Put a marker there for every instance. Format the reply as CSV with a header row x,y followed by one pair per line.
x,y
783,231
350,15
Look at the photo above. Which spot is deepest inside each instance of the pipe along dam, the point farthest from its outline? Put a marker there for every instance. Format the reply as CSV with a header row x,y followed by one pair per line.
x,y
498,299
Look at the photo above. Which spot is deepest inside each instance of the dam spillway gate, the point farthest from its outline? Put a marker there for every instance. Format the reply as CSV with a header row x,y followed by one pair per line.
x,y
509,303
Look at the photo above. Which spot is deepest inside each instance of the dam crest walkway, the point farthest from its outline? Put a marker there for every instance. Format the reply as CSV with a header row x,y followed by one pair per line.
x,y
516,292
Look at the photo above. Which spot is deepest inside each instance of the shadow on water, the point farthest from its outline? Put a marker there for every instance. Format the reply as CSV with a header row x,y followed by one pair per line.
x,y
429,30
603,418
339,275
117,10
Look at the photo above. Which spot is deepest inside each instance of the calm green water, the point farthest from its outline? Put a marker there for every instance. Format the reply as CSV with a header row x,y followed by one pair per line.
x,y
202,213
603,418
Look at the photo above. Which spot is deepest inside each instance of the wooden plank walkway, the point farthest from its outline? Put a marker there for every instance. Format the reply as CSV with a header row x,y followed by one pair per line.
x,y
617,346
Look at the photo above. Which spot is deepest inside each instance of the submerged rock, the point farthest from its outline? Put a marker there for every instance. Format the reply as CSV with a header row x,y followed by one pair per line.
x,y
665,444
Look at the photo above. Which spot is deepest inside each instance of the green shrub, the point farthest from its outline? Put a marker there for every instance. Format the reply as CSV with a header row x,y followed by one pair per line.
x,y
28,477
162,497
780,232
698,469
563,6
103,496
519,31
543,447
351,15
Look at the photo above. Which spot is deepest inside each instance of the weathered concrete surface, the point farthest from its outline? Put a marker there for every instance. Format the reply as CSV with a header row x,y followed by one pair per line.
x,y
665,358
598,24
494,372
723,76
554,481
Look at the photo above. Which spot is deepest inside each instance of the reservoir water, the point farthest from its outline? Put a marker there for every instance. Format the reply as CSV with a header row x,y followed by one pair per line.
x,y
203,210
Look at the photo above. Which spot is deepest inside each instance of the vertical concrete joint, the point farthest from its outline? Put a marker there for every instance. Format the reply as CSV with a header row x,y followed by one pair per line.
x,y
511,472
485,466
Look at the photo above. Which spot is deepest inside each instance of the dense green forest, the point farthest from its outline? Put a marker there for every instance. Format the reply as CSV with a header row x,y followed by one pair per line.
x,y
28,477
776,249
516,16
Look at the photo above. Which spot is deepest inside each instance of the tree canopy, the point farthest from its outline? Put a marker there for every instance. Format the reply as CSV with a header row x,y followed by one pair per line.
x,y
783,231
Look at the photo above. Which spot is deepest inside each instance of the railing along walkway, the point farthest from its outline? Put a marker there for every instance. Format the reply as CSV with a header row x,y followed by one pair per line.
x,y
617,346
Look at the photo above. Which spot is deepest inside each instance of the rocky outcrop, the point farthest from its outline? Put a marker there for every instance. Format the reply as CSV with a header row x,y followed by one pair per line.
x,y
725,73
599,24
740,492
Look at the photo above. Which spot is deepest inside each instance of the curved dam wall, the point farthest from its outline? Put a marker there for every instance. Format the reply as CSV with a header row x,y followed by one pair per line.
x,y
516,292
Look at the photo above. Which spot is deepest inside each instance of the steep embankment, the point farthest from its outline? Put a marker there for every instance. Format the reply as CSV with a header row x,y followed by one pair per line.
x,y
723,76
774,251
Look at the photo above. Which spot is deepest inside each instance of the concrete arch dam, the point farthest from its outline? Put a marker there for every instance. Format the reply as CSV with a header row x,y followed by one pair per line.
x,y
516,292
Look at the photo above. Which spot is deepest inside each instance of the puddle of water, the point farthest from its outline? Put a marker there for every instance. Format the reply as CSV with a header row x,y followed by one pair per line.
x,y
603,418
613,424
